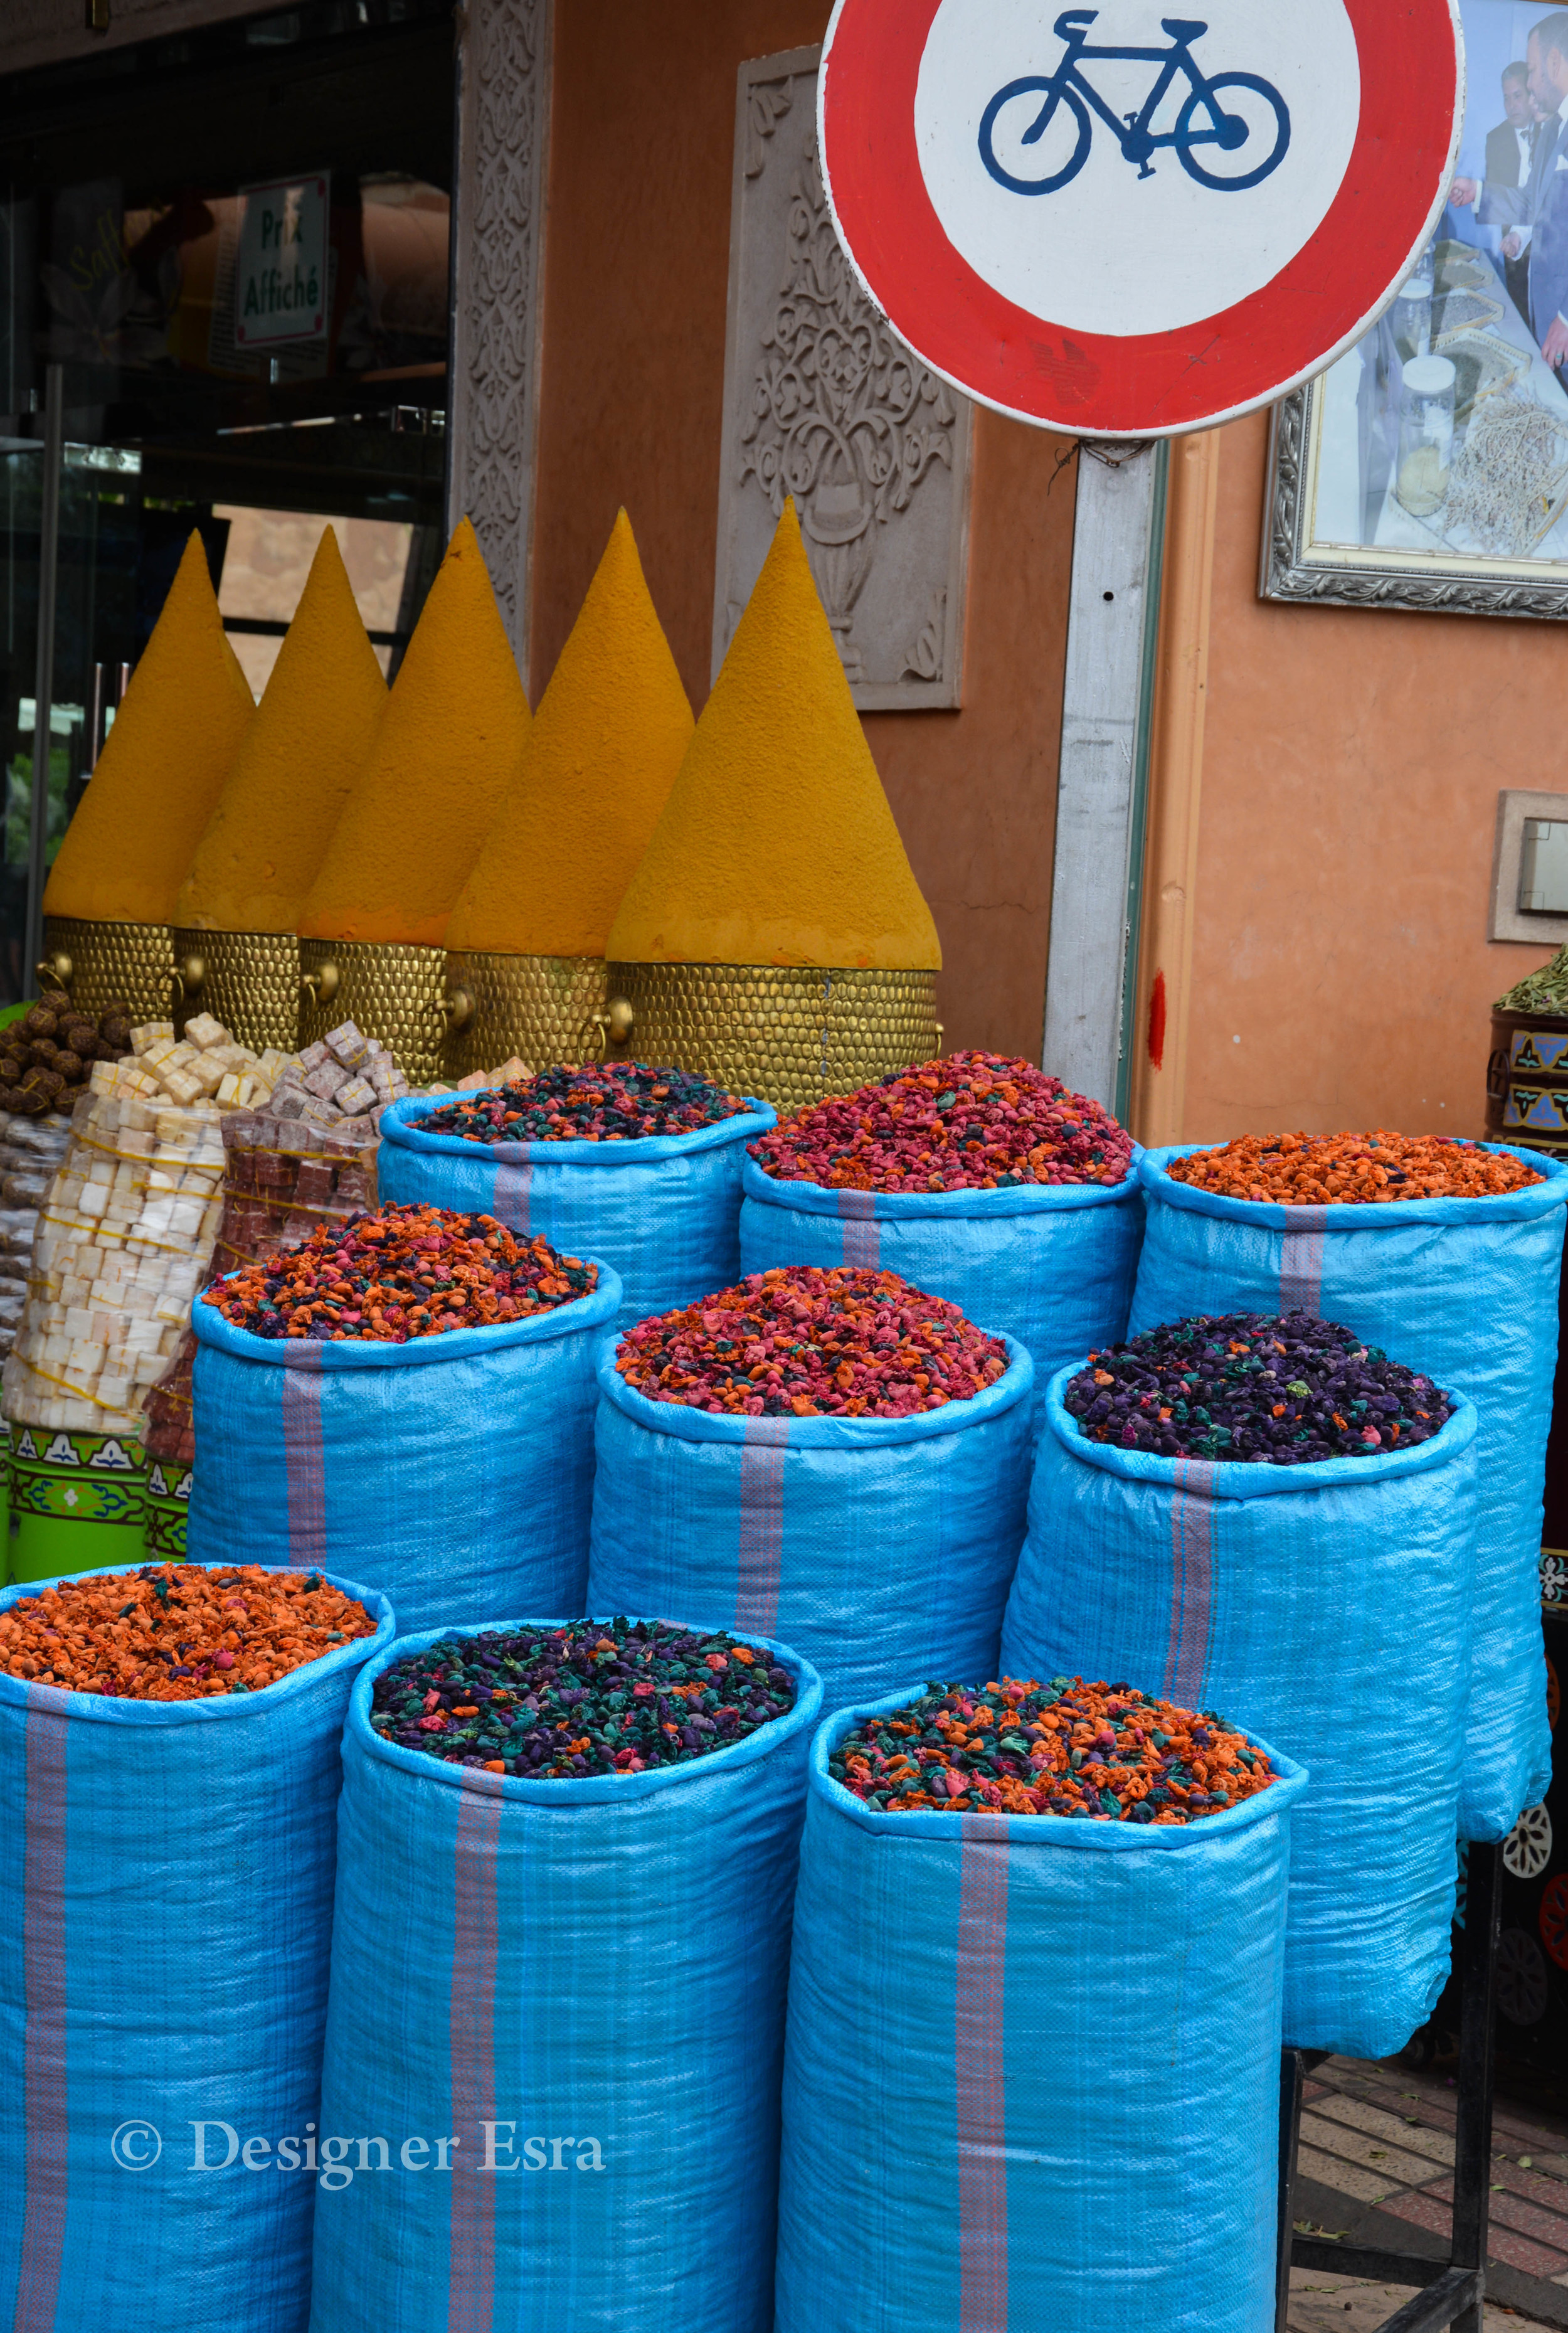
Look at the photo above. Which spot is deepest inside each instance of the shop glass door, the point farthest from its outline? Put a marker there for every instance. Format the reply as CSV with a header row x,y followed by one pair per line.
x,y
223,307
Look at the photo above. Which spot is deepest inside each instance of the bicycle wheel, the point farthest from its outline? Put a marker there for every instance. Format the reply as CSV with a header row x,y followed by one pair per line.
x,y
1026,132
1240,132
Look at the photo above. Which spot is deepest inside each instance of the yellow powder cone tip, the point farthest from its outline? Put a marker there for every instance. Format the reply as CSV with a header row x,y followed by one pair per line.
x,y
776,845
608,738
126,851
287,785
445,751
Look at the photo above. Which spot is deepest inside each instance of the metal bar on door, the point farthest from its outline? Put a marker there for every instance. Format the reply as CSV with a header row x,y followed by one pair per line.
x,y
43,684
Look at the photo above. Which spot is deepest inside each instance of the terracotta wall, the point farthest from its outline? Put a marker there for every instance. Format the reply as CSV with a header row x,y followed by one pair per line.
x,y
1342,973
631,407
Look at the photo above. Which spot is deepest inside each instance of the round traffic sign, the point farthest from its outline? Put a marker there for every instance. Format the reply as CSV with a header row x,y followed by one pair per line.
x,y
1121,222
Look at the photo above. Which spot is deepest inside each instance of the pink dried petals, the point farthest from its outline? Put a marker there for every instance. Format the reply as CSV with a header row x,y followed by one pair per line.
x,y
798,1342
970,1122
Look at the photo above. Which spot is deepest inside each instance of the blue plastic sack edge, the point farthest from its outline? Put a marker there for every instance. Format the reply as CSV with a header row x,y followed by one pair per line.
x,y
1015,1383
587,1789
399,1124
593,1311
1510,1206
1040,1831
108,1708
947,1206
1232,1479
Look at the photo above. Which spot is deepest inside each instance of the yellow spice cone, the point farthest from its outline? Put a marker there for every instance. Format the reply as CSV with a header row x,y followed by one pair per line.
x,y
445,755
126,851
288,783
776,845
602,755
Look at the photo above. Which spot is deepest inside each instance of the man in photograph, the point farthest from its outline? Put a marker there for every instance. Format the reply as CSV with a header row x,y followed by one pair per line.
x,y
1510,158
1538,210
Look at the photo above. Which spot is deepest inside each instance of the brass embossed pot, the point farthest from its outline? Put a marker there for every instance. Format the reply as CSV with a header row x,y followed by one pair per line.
x,y
390,989
545,1009
250,980
790,1034
97,962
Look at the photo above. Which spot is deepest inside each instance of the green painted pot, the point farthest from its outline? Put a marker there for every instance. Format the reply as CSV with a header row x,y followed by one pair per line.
x,y
80,1500
168,1504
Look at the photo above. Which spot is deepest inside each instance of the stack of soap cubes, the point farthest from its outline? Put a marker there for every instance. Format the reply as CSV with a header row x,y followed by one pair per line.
x,y
126,1231
343,1079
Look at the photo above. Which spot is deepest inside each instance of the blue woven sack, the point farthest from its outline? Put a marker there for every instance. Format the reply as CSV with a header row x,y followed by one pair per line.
x,y
880,1548
166,1911
1325,1606
1032,2072
456,1470
1465,1290
579,1986
665,1211
1050,1264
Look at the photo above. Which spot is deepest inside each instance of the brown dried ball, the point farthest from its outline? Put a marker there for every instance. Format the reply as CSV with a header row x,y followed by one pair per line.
x,y
27,1103
105,1052
83,1038
117,1009
71,1068
41,1022
114,1029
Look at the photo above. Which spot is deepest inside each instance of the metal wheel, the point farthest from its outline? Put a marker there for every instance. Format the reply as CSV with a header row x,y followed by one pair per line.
x,y
1521,1983
1553,1918
1527,1849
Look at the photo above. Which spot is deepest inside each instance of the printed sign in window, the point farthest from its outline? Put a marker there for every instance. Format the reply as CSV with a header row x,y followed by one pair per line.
x,y
280,279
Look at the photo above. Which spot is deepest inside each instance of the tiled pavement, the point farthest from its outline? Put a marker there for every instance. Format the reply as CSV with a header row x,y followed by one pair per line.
x,y
1377,2148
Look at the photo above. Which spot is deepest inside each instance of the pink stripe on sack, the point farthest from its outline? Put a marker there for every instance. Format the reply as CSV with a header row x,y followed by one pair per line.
x,y
761,1526
305,1457
1300,1261
1192,1580
471,2258
513,1183
45,2109
862,1238
980,2069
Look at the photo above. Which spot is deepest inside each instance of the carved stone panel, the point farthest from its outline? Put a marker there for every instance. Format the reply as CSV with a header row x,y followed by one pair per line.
x,y
504,130
823,401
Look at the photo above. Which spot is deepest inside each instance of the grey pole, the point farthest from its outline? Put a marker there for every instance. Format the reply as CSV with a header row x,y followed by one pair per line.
x,y
1111,621
44,683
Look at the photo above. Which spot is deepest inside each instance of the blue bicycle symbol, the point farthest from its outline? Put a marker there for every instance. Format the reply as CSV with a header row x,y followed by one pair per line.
x,y
1236,113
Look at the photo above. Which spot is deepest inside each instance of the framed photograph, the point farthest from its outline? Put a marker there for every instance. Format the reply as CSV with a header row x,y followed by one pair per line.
x,y
1429,468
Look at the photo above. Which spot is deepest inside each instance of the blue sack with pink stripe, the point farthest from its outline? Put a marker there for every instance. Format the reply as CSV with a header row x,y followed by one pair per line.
x,y
1326,1607
1032,2072
1465,1290
561,2005
665,1211
1050,1264
166,1911
880,1548
457,1471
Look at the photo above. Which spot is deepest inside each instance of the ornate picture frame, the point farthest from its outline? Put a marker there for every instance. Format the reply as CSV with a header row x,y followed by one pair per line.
x,y
1426,470
1299,566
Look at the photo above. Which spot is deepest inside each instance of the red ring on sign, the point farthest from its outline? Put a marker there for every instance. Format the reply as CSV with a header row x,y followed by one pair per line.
x,y
1164,381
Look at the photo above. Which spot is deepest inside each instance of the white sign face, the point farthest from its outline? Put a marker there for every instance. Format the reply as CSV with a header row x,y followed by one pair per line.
x,y
1118,222
1124,178
281,273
